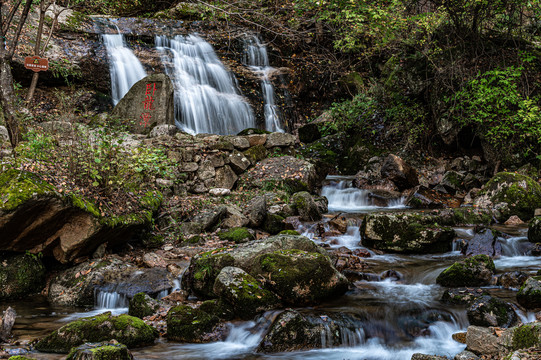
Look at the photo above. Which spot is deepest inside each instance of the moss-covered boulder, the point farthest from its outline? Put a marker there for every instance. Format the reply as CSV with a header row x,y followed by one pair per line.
x,y
489,311
303,203
219,308
237,235
187,324
36,218
246,295
534,230
300,277
405,233
256,153
524,336
529,294
273,224
128,330
142,305
462,296
100,351
20,275
473,271
204,268
510,194
20,357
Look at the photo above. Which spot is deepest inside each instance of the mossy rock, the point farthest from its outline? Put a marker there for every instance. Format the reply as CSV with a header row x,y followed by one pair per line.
x,y
218,307
526,336
305,206
237,235
203,270
300,277
21,275
20,357
289,232
187,324
253,131
324,153
511,194
534,230
128,330
405,233
529,294
100,351
462,296
470,216
256,153
473,271
489,311
273,224
18,187
142,305
246,295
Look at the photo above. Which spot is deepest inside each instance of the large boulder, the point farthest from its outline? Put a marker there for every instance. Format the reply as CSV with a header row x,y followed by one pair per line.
x,y
405,233
492,342
300,277
187,324
148,103
473,271
30,213
529,294
20,275
510,194
484,242
100,351
128,330
285,172
399,172
534,230
305,206
246,295
142,305
490,311
292,251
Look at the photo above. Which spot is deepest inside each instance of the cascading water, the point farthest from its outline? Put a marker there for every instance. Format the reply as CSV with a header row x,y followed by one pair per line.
x,y
256,57
343,196
207,99
124,66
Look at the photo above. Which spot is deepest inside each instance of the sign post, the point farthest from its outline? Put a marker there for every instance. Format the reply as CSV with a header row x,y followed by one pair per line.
x,y
36,63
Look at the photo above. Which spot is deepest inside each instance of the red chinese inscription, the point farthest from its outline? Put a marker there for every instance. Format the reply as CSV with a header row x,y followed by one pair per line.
x,y
148,104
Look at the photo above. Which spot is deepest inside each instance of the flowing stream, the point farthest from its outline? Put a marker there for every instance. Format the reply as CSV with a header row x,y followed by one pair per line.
x,y
393,314
207,98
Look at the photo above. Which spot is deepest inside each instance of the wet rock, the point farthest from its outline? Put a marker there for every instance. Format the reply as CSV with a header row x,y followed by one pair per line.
x,y
495,342
484,242
489,311
510,194
418,356
462,296
279,140
482,340
534,230
466,355
237,235
152,95
246,295
100,351
128,330
135,280
29,213
399,172
512,280
300,277
256,210
529,294
20,275
405,233
142,305
205,267
459,337
186,324
305,206
474,271
6,323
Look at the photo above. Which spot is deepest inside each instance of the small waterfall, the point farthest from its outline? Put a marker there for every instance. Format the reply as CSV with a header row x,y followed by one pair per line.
x,y
343,196
516,253
207,99
110,300
256,57
124,66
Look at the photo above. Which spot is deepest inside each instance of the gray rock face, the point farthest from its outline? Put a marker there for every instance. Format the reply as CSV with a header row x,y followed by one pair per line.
x,y
489,311
466,355
256,211
238,162
234,218
484,242
418,356
399,172
162,130
280,140
485,341
148,103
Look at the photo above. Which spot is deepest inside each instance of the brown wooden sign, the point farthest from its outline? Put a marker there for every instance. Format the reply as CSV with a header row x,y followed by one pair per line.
x,y
36,63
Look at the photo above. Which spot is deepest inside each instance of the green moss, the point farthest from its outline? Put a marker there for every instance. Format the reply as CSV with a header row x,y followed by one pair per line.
x,y
468,216
526,336
273,224
100,351
142,305
188,324
21,275
256,153
466,272
129,330
17,187
236,235
20,357
289,232
204,270
219,308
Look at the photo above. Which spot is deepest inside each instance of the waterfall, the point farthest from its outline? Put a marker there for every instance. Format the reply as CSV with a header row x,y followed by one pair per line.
x,y
255,56
124,66
110,300
207,99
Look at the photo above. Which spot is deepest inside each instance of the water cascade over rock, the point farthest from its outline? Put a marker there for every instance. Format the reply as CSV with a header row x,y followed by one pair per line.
x,y
207,99
256,58
124,66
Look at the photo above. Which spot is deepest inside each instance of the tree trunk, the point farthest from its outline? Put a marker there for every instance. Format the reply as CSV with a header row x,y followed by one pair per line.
x,y
8,99
37,50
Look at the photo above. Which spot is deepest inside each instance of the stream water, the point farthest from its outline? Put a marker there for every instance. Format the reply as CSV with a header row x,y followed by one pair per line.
x,y
393,316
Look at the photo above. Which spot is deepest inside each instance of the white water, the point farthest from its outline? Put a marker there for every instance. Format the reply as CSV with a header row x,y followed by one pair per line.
x,y
514,255
207,99
124,66
257,59
104,301
344,197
